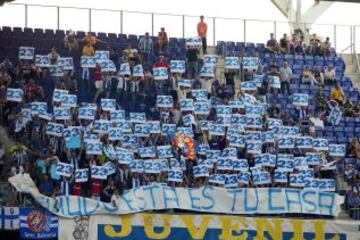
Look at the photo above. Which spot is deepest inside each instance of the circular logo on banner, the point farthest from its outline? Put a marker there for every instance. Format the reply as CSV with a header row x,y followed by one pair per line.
x,y
36,220
81,228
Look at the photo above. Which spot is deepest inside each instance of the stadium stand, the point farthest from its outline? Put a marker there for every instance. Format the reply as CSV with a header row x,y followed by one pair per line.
x,y
225,117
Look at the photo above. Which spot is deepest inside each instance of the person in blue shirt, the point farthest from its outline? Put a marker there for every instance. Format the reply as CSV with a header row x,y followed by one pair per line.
x,y
46,187
146,47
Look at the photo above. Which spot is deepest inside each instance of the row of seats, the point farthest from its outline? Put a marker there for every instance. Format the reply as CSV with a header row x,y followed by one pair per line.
x,y
40,34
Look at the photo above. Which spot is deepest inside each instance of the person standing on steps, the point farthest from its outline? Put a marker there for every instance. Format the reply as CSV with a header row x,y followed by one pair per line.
x,y
202,32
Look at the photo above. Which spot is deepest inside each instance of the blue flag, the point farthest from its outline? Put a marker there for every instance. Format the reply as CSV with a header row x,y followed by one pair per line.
x,y
37,224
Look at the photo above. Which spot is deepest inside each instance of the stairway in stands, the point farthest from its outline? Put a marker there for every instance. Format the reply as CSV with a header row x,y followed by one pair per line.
x,y
351,69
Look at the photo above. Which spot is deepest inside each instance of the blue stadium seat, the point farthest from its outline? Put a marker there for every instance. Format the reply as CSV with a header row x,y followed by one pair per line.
x,y
28,33
17,32
112,37
260,47
80,34
102,36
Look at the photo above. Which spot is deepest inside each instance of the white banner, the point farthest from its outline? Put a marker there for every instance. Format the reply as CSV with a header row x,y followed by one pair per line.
x,y
206,199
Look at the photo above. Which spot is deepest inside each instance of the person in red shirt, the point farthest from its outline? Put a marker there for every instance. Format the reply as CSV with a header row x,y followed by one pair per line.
x,y
202,32
95,189
98,81
161,62
33,91
163,41
77,189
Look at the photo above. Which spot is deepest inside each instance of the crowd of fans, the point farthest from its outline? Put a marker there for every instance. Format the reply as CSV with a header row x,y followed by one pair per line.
x,y
38,153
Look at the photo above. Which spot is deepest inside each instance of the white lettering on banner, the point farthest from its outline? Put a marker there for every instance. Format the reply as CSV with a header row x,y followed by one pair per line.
x,y
62,113
81,175
274,82
285,162
68,100
337,150
54,129
42,60
94,147
26,53
164,101
101,55
58,94
107,66
108,104
216,129
72,131
160,73
66,63
335,116
175,175
164,151
137,117
254,147
313,158
99,172
199,94
258,79
117,115
138,71
207,71
232,63
193,41
217,178
205,227
205,199
154,126
110,152
177,66
115,134
87,113
39,108
210,60
250,62
202,107
101,126
185,83
321,144
56,71
142,129
14,94
88,62
64,169
248,86
186,105
304,142
300,99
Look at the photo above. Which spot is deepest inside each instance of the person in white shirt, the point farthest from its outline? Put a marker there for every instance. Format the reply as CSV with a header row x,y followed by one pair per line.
x,y
285,77
115,198
181,93
206,83
329,74
325,47
54,56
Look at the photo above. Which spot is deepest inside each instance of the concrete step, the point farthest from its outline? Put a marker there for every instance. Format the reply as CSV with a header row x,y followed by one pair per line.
x,y
350,68
348,58
211,50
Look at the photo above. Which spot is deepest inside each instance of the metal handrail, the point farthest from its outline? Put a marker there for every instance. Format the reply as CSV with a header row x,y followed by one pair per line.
x,y
212,21
357,61
352,44
158,13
